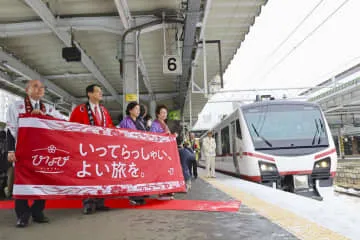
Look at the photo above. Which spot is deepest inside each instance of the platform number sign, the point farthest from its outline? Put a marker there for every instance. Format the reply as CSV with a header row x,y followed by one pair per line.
x,y
172,64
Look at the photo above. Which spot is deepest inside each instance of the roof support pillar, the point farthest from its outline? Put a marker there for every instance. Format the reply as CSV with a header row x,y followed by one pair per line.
x,y
129,56
131,73
192,17
152,109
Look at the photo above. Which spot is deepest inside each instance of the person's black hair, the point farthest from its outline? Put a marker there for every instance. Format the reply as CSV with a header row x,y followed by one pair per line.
x,y
158,109
90,89
130,106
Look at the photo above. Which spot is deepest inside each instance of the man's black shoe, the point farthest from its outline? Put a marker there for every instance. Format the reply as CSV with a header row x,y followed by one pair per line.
x,y
41,219
22,222
88,210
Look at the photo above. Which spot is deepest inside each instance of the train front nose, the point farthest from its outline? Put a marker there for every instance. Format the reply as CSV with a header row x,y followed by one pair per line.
x,y
287,173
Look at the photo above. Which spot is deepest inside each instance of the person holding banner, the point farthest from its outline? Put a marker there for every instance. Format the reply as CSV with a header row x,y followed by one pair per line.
x,y
133,121
32,104
159,126
94,114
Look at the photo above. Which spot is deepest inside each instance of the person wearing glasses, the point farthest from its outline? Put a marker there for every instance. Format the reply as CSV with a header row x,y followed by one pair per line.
x,y
134,121
31,104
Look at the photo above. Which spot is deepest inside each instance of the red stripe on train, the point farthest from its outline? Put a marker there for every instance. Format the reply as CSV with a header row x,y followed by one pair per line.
x,y
258,156
325,153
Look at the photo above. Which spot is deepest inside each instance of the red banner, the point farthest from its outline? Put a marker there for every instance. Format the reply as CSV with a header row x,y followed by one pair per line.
x,y
58,159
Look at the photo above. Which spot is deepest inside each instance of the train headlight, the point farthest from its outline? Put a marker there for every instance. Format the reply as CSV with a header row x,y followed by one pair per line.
x,y
263,167
267,167
321,169
325,163
272,168
269,172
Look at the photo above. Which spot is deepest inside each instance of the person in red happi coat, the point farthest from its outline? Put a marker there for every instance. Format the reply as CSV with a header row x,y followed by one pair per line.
x,y
94,114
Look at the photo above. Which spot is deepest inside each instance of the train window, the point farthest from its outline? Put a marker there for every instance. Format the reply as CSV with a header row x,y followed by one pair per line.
x,y
225,140
284,125
238,129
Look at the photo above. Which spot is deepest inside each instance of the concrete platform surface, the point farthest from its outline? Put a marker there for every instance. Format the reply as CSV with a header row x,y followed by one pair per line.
x,y
119,224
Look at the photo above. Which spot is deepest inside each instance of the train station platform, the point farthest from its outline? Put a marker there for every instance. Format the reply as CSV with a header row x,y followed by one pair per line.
x,y
264,213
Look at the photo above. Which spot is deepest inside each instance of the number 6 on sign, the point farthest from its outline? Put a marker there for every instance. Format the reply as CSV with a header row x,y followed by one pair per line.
x,y
172,64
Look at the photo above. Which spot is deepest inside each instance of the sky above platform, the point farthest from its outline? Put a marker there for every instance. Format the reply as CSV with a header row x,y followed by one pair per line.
x,y
297,44
293,44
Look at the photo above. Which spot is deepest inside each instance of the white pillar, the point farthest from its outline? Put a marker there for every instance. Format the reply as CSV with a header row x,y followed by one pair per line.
x,y
131,74
152,109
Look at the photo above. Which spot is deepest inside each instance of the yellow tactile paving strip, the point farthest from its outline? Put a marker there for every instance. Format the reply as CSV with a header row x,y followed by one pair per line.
x,y
298,226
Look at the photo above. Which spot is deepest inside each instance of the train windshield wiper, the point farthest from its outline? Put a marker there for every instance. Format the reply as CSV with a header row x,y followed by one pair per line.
x,y
322,130
257,134
316,132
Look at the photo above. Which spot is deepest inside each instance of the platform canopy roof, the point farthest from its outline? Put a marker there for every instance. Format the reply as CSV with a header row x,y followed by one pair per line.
x,y
339,98
33,33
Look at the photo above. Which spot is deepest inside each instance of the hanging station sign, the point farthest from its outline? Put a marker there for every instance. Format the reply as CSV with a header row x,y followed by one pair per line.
x,y
172,64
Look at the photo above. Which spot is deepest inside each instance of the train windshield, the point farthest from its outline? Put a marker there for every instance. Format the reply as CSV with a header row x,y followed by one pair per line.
x,y
286,126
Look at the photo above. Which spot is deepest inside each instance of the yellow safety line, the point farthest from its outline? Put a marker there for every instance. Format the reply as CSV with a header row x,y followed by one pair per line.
x,y
298,226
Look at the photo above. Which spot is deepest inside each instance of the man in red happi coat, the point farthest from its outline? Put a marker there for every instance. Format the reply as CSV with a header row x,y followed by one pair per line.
x,y
94,114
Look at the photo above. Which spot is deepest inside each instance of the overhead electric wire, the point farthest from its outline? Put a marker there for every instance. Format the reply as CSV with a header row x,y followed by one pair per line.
x,y
289,35
304,39
296,28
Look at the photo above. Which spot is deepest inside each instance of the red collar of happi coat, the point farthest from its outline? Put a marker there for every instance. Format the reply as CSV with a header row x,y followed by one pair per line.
x,y
29,107
91,115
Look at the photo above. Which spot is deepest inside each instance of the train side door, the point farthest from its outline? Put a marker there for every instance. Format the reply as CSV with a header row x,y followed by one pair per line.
x,y
234,147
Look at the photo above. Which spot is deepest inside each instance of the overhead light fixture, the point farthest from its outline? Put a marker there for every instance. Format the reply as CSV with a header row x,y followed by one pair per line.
x,y
71,54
